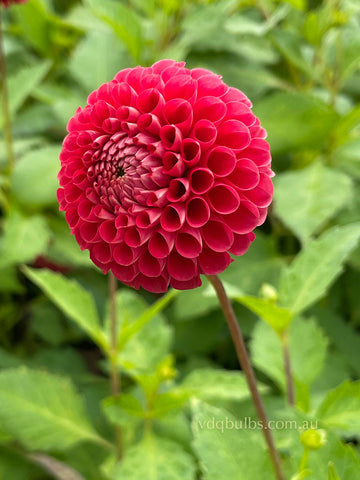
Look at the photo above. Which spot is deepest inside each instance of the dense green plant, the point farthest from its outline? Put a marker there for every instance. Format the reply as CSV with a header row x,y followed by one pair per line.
x,y
295,291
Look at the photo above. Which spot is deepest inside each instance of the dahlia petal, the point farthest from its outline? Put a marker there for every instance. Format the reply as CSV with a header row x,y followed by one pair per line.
x,y
212,262
181,268
147,218
186,285
174,164
243,220
149,123
197,212
262,194
179,112
188,243
190,152
149,265
221,161
124,94
211,85
173,217
123,254
158,284
205,133
101,252
259,152
108,231
201,180
181,86
245,175
89,232
241,243
217,235
223,199
233,134
179,190
129,114
150,101
209,108
240,111
235,95
125,274
135,237
171,137
161,65
160,244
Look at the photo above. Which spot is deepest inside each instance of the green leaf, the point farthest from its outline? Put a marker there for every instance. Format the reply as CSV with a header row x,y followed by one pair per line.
x,y
124,22
278,318
123,408
316,267
307,348
295,121
215,384
24,82
106,48
144,348
128,331
155,458
71,298
341,407
43,411
306,199
40,168
332,472
224,449
33,20
24,238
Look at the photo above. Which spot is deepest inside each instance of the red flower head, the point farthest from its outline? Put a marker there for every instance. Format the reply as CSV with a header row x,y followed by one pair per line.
x,y
7,3
164,173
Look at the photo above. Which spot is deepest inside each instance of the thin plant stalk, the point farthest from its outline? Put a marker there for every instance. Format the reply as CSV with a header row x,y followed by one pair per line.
x,y
5,104
288,372
245,364
114,372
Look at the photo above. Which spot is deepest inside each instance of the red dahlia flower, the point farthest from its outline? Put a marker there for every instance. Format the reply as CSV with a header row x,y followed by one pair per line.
x,y
164,173
7,3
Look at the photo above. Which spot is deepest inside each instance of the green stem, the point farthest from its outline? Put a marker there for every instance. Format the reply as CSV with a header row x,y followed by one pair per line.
x,y
304,460
245,364
288,372
114,373
5,105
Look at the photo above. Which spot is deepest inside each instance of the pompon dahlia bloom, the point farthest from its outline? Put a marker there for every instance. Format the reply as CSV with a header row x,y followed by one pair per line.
x,y
7,3
163,174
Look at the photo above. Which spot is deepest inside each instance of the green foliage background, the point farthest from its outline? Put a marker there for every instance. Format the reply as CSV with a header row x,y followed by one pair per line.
x,y
299,62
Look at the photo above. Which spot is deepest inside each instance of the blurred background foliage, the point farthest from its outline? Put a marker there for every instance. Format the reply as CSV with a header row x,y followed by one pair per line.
x,y
299,62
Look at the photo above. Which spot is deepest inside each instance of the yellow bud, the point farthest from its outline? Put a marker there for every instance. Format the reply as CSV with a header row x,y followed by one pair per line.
x,y
313,439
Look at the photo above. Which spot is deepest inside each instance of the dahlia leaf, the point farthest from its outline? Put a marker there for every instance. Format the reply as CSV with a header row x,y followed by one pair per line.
x,y
215,384
226,450
149,341
341,407
295,121
15,466
307,346
108,51
315,268
306,199
124,22
23,82
146,316
24,238
278,318
155,458
37,167
43,411
71,298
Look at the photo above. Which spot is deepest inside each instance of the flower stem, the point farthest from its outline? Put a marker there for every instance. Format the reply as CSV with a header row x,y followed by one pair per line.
x,y
247,369
5,105
114,373
288,373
